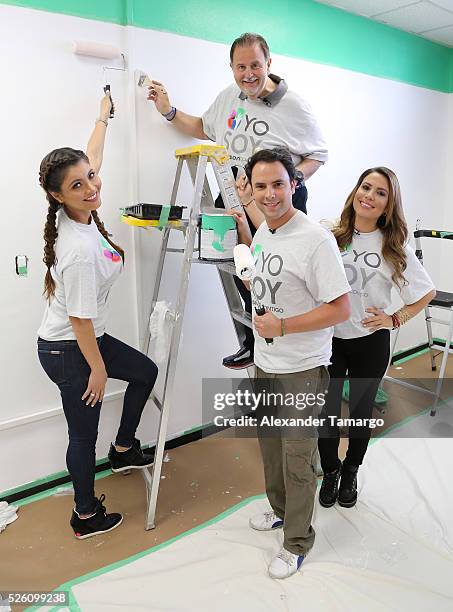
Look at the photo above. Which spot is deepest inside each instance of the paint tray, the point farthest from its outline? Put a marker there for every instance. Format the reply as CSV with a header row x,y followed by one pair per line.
x,y
152,212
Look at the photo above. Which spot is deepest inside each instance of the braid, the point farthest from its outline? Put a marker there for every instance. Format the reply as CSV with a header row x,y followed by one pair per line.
x,y
105,233
50,236
51,173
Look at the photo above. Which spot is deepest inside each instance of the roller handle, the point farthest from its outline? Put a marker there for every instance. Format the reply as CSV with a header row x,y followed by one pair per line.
x,y
260,311
107,91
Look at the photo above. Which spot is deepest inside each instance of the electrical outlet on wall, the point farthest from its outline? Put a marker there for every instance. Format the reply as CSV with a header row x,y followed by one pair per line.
x,y
21,265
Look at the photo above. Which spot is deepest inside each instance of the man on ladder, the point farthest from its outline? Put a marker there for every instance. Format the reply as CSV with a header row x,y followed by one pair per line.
x,y
257,112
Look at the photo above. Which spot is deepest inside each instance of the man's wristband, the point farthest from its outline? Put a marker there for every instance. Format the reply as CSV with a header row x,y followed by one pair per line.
x,y
282,321
104,121
170,115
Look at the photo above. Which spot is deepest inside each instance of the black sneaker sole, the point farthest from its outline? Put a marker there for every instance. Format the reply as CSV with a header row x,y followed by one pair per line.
x,y
131,467
95,533
238,367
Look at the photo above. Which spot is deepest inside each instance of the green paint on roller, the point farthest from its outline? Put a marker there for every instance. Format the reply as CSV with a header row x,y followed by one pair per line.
x,y
220,225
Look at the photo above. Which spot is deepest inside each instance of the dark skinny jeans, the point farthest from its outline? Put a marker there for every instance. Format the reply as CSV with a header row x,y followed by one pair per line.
x,y
66,366
365,360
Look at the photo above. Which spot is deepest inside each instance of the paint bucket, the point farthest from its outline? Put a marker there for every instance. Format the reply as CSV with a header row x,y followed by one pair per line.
x,y
217,236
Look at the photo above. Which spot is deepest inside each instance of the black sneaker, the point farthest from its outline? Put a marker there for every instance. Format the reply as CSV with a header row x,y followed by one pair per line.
x,y
328,492
242,359
100,522
146,451
132,459
347,495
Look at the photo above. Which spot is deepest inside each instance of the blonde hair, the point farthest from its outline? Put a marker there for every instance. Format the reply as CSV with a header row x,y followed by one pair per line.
x,y
391,223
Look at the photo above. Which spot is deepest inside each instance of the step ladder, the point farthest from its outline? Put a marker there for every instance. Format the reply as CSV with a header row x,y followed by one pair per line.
x,y
443,300
196,159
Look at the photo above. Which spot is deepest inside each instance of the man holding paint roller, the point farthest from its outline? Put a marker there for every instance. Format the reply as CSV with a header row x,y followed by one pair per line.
x,y
258,111
299,276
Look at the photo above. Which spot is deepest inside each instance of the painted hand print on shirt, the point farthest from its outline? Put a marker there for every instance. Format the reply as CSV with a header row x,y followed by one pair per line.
x,y
109,251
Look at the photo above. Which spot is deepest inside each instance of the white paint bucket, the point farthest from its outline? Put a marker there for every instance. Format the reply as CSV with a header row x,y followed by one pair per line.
x,y
217,236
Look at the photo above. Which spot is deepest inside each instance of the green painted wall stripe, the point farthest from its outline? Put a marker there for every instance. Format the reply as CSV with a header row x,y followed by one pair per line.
x,y
308,30
297,28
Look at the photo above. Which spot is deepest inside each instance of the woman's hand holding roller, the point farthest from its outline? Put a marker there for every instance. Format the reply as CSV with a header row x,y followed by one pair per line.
x,y
105,108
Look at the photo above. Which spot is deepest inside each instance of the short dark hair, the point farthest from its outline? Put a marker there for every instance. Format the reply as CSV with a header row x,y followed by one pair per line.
x,y
269,156
249,39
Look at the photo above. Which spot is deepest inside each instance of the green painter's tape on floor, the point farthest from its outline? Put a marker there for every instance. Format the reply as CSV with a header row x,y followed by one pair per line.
x,y
297,28
67,586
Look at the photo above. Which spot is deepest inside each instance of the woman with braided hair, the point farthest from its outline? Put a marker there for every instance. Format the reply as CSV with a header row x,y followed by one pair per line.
x,y
372,237
73,348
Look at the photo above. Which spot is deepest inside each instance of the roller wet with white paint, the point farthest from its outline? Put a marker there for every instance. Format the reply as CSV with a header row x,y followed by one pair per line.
x,y
101,51
246,271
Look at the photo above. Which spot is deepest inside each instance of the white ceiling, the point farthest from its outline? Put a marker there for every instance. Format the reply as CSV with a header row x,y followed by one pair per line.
x,y
431,19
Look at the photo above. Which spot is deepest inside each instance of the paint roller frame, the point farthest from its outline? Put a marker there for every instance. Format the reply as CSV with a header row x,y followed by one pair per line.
x,y
107,85
102,51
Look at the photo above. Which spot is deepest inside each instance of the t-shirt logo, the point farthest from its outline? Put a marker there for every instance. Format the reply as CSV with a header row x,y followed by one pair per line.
x,y
109,251
235,118
256,250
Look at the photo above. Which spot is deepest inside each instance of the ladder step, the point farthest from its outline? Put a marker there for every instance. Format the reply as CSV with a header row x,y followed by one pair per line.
x,y
440,347
225,266
242,316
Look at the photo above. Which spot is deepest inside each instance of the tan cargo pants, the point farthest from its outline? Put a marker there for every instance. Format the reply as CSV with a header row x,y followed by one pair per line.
x,y
289,455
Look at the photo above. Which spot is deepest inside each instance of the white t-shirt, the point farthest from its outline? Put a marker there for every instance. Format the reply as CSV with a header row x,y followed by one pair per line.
x,y
297,269
86,268
370,277
244,126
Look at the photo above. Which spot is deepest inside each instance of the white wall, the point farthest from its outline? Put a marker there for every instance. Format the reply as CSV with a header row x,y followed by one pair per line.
x,y
49,99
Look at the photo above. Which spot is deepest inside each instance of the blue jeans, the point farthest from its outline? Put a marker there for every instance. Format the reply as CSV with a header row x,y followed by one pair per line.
x,y
66,366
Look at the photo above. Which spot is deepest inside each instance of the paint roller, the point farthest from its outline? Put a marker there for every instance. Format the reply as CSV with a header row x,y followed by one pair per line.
x,y
246,271
101,51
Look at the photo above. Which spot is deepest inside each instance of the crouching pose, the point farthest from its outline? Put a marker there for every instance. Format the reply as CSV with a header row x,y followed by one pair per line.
x,y
299,276
73,348
372,236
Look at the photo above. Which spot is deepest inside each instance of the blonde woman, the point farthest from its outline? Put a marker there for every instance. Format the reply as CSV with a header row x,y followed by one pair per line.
x,y
372,237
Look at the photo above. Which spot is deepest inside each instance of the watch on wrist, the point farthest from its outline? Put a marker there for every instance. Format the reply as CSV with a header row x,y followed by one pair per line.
x,y
170,115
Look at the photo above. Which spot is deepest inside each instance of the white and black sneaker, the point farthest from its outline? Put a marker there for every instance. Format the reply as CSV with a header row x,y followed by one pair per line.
x,y
266,521
99,522
243,358
132,459
285,564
